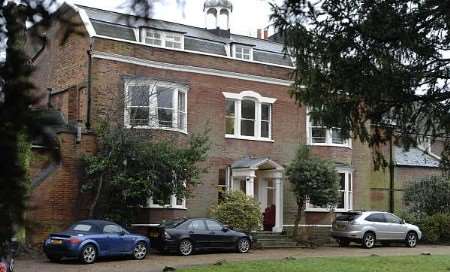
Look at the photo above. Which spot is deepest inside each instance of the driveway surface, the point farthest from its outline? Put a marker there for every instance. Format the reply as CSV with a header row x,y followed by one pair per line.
x,y
156,262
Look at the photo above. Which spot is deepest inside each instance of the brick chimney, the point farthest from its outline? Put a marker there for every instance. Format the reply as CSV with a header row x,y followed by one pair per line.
x,y
259,33
266,34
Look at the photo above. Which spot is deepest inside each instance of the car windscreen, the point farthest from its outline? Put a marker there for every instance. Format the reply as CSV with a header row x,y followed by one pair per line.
x,y
170,224
348,217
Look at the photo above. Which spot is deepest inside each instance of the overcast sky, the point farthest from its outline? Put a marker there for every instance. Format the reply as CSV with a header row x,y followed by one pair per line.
x,y
247,16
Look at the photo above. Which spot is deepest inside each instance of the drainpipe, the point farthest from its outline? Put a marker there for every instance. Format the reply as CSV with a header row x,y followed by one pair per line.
x,y
391,178
89,81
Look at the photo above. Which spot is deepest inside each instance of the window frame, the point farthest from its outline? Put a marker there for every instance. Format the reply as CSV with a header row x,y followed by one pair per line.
x,y
348,195
164,38
259,100
153,121
242,47
328,134
172,205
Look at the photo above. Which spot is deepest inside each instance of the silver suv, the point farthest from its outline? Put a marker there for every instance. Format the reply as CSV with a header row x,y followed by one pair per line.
x,y
369,227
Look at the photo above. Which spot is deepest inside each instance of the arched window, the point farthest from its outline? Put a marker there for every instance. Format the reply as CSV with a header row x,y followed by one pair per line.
x,y
211,19
248,115
224,19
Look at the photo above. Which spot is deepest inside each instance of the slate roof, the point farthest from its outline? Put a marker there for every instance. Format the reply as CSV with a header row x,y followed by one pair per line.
x,y
122,26
414,157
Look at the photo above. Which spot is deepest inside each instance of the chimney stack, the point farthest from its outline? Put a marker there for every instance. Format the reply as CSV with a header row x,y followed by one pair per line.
x,y
259,33
266,34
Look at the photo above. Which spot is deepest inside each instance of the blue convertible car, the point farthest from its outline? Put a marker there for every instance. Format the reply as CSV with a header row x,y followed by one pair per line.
x,y
90,239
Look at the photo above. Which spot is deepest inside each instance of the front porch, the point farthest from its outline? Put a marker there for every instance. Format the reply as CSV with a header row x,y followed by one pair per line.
x,y
260,178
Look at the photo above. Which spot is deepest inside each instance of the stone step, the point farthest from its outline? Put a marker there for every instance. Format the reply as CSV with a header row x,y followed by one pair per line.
x,y
274,239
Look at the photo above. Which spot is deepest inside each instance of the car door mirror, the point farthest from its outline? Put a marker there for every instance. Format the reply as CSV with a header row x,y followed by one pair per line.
x,y
225,228
403,221
122,233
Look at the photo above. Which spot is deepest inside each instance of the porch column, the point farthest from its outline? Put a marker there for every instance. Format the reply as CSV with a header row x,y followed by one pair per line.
x,y
278,205
250,186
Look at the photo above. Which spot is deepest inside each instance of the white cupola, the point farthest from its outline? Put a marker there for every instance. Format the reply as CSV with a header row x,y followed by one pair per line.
x,y
217,14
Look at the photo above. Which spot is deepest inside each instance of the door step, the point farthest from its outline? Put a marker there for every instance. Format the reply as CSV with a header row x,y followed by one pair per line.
x,y
274,240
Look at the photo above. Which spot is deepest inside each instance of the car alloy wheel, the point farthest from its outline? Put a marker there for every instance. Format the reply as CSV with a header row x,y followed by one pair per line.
x,y
369,240
140,251
243,245
88,254
411,239
185,247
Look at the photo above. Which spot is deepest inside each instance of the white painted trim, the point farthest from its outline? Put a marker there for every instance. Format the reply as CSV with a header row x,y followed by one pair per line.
x,y
251,94
229,56
84,18
189,69
248,138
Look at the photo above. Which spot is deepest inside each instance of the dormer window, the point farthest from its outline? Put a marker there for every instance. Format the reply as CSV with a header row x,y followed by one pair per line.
x,y
243,52
163,39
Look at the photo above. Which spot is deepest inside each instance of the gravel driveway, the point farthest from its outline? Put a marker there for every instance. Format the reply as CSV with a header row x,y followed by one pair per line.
x,y
156,262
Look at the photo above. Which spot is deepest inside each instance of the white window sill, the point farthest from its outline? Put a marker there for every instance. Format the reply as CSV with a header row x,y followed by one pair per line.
x,y
157,128
168,207
325,210
331,145
248,138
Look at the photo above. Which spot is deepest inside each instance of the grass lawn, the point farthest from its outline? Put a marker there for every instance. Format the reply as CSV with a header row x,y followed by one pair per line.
x,y
340,264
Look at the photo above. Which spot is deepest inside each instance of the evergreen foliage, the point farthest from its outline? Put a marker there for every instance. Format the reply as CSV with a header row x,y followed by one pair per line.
x,y
379,63
312,179
238,211
127,171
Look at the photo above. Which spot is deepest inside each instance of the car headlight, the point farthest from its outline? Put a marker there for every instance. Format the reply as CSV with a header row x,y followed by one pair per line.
x,y
167,235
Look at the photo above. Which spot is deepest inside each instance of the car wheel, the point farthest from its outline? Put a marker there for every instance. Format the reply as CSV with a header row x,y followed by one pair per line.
x,y
243,245
411,239
140,251
185,247
88,254
343,242
369,240
54,259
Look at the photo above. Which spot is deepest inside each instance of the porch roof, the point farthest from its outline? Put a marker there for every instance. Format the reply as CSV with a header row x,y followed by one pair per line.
x,y
256,163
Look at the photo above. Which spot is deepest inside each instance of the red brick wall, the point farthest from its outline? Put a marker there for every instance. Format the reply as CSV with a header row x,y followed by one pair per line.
x,y
63,63
55,203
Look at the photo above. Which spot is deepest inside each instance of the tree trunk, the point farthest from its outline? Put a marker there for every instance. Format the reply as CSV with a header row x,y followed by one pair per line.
x,y
97,196
298,217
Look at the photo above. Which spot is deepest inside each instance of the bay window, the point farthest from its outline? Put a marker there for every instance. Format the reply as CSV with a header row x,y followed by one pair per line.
x,y
248,115
154,104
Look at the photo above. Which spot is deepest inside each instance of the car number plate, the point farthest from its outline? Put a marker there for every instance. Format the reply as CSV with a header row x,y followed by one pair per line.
x,y
340,227
56,242
154,234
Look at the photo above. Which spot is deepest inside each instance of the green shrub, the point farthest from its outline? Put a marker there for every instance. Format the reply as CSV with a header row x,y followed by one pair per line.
x,y
435,228
238,211
429,196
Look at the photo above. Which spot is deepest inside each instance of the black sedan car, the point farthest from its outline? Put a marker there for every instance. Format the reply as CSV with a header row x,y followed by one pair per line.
x,y
188,235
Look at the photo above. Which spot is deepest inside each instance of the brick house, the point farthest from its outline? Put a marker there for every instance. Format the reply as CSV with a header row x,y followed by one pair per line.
x,y
174,80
